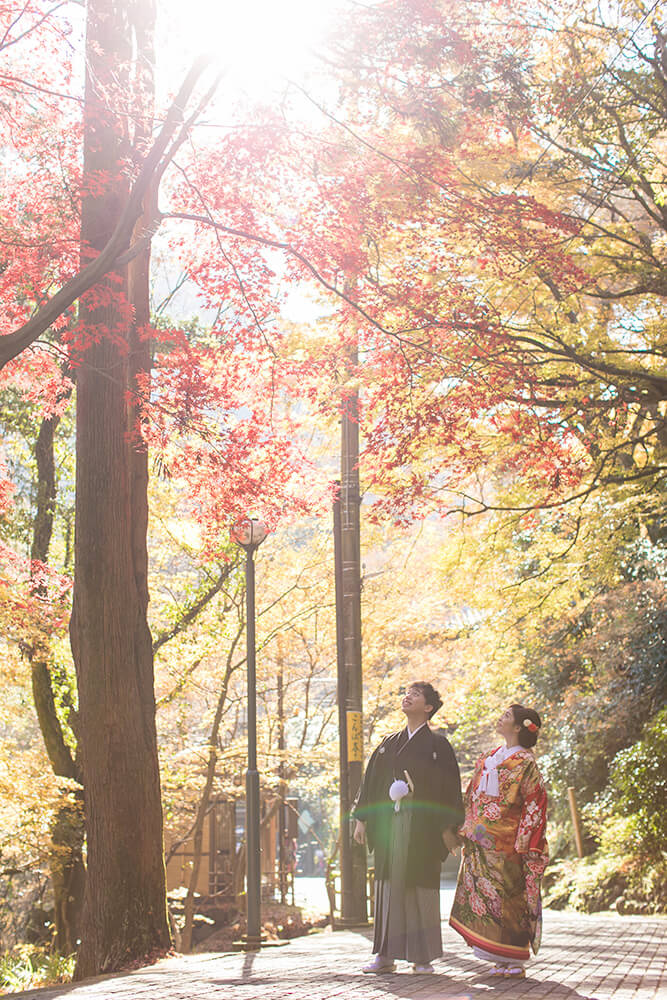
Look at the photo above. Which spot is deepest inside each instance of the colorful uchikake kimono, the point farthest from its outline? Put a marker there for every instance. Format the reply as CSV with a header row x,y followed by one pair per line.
x,y
497,907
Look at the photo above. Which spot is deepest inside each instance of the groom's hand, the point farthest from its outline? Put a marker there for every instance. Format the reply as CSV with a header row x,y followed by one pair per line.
x,y
451,840
359,832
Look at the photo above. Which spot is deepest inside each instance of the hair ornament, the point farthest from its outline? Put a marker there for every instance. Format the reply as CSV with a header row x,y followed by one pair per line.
x,y
530,725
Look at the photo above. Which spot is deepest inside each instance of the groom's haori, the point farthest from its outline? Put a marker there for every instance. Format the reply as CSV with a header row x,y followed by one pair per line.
x,y
436,803
405,833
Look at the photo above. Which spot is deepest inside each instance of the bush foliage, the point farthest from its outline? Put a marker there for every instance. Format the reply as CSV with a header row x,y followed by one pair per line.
x,y
638,789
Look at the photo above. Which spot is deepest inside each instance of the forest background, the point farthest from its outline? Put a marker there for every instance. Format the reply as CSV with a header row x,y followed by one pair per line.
x,y
452,217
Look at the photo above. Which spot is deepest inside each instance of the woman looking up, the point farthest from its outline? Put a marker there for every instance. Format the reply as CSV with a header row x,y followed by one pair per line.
x,y
497,908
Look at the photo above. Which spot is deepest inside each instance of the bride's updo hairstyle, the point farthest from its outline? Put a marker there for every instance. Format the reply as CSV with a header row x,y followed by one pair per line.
x,y
529,724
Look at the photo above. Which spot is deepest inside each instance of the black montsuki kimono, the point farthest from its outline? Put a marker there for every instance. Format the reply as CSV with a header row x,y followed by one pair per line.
x,y
436,804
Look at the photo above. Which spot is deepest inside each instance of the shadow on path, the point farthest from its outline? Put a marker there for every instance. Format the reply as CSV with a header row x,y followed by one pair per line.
x,y
582,958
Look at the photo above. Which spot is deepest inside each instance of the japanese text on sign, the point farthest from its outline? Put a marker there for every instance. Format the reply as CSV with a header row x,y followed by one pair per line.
x,y
355,740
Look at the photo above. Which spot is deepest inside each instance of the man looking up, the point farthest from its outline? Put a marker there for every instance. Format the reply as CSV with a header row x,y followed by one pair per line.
x,y
408,809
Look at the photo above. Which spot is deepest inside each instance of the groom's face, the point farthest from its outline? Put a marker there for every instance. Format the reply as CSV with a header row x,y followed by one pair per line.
x,y
414,702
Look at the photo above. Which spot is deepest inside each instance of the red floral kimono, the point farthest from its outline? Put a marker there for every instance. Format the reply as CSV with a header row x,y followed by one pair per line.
x,y
497,907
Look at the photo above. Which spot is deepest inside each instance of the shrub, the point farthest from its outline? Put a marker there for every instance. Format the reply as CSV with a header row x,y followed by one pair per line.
x,y
638,790
27,967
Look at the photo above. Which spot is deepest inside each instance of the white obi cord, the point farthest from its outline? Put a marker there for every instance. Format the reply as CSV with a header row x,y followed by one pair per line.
x,y
398,790
488,784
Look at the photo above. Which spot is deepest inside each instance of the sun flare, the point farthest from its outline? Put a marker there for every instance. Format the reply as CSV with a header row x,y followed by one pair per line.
x,y
258,43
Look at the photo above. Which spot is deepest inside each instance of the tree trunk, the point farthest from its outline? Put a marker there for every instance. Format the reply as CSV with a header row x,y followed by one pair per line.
x,y
125,915
66,849
68,874
204,801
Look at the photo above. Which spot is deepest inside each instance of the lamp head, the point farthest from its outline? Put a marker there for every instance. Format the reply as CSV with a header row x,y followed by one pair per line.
x,y
249,533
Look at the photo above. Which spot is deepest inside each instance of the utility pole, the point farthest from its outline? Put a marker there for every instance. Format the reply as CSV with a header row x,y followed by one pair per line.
x,y
347,551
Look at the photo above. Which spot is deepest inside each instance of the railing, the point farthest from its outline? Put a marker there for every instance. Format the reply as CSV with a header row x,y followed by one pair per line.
x,y
333,886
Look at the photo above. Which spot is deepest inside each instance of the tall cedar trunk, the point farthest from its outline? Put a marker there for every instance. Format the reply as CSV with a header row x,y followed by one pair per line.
x,y
125,910
66,848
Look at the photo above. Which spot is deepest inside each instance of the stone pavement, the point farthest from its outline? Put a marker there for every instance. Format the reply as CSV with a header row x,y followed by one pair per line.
x,y
606,957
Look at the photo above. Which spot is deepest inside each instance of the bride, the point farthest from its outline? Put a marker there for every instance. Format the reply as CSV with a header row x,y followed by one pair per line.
x,y
497,908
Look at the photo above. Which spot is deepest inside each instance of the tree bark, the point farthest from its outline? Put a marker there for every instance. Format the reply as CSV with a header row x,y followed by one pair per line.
x,y
68,873
125,914
205,799
67,833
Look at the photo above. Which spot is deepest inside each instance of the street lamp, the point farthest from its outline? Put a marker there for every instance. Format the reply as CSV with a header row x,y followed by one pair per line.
x,y
250,534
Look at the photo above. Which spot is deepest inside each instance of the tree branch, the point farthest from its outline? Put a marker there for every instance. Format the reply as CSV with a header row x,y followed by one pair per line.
x,y
193,610
13,343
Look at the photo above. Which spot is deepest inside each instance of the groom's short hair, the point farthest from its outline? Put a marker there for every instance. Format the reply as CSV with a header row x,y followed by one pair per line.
x,y
431,696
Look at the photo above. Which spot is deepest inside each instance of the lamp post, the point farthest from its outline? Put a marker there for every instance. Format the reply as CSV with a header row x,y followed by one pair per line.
x,y
250,534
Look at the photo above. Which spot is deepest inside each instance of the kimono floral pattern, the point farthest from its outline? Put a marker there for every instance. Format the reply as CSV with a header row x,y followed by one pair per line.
x,y
497,906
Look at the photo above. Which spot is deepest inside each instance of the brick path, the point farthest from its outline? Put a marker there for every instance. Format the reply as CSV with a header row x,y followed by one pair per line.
x,y
606,957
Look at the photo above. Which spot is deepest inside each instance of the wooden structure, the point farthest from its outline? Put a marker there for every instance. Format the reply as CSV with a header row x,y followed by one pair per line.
x,y
222,836
216,871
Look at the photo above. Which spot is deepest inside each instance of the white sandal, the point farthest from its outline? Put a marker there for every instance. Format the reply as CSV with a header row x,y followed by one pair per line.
x,y
515,972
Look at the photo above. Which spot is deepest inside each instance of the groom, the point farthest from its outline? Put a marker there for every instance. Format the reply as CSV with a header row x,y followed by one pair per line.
x,y
408,809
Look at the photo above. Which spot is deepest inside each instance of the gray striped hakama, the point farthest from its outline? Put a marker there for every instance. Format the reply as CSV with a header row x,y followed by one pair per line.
x,y
407,918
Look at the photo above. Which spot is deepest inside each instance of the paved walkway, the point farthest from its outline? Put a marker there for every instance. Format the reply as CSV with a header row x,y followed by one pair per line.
x,y
582,957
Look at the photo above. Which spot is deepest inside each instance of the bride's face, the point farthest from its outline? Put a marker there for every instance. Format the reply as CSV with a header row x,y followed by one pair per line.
x,y
506,725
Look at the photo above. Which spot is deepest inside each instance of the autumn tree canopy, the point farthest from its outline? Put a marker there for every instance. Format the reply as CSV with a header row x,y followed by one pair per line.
x,y
469,200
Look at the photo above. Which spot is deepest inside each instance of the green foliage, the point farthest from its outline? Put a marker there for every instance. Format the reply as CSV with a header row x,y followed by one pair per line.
x,y
638,789
601,671
606,881
629,820
27,967
588,885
